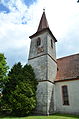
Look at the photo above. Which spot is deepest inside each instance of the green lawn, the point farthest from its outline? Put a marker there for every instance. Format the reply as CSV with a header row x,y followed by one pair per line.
x,y
57,116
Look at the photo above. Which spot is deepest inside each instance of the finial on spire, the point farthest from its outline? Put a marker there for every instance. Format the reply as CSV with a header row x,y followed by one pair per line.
x,y
43,22
43,10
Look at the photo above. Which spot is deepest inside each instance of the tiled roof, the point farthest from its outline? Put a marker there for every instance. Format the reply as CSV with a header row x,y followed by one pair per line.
x,y
43,27
43,23
68,67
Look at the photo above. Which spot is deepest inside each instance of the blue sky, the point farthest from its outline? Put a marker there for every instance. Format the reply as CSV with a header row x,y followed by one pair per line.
x,y
29,2
20,18
4,8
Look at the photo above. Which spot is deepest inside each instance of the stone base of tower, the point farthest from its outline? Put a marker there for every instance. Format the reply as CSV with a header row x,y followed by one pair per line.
x,y
45,98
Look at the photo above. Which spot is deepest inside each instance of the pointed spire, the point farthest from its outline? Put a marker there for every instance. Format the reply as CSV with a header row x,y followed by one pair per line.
x,y
43,22
43,26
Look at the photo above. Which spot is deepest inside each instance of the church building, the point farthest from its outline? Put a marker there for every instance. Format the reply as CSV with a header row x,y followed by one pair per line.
x,y
58,79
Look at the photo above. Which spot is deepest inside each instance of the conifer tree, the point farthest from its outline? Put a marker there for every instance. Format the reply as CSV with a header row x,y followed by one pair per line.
x,y
19,95
3,70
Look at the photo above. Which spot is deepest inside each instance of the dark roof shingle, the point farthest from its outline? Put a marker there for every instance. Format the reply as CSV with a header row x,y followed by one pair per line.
x,y
43,23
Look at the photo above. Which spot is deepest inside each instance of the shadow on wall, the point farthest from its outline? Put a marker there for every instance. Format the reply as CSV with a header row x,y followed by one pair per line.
x,y
51,107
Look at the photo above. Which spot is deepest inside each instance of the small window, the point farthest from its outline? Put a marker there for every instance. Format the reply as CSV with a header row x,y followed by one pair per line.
x,y
51,43
39,41
65,95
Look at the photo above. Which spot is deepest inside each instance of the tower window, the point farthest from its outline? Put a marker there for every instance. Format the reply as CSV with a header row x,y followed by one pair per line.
x,y
51,43
38,41
65,95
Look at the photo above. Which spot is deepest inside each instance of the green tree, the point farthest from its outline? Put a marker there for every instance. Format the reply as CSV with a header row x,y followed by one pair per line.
x,y
3,70
19,94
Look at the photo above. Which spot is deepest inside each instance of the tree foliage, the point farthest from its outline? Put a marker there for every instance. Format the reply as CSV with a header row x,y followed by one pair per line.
x,y
19,94
3,70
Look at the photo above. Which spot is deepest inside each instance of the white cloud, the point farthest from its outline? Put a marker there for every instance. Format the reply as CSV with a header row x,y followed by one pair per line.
x,y
63,19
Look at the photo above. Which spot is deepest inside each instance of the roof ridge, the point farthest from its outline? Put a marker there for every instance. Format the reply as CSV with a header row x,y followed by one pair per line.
x,y
67,56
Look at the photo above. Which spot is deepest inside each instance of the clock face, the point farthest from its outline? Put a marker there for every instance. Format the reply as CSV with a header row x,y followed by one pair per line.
x,y
40,49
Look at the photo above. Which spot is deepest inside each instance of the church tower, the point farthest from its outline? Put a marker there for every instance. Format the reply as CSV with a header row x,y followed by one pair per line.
x,y
42,57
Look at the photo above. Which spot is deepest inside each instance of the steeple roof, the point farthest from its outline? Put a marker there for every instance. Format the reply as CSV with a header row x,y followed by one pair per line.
x,y
43,27
43,23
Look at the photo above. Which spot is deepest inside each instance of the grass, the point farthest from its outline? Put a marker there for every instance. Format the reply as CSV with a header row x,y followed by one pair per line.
x,y
56,116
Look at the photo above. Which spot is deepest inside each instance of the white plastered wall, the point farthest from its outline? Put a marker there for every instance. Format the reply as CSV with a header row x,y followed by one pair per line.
x,y
73,92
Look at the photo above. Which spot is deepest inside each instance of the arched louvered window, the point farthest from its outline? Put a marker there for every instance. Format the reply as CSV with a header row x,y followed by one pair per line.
x,y
51,43
38,41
